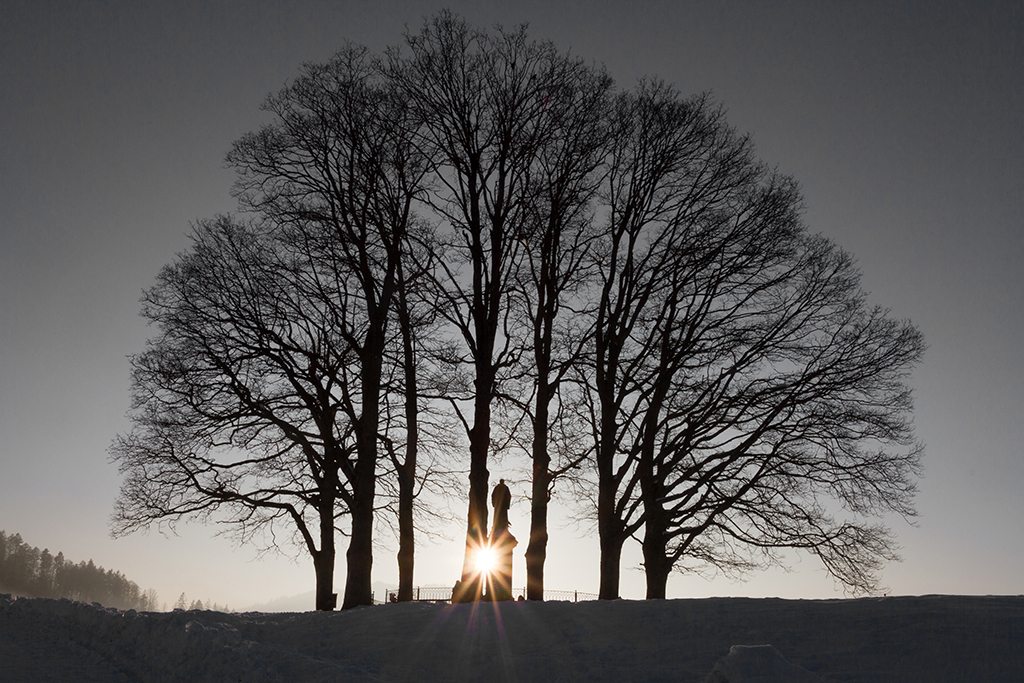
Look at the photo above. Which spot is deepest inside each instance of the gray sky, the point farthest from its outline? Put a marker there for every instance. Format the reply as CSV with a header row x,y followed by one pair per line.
x,y
903,122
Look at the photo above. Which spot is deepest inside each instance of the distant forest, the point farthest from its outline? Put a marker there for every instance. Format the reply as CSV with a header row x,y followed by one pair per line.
x,y
31,572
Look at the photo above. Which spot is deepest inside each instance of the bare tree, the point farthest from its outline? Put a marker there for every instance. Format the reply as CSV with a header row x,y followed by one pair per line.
x,y
416,433
482,105
237,411
405,467
656,144
559,239
337,173
739,376
782,392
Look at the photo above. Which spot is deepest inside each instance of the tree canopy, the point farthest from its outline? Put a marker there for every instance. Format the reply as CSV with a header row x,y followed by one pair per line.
x,y
477,229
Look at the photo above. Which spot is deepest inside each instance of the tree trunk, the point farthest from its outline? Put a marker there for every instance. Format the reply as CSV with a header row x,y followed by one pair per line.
x,y
476,527
358,586
536,551
609,526
407,471
656,563
323,565
657,578
657,566
323,562
611,558
406,539
479,445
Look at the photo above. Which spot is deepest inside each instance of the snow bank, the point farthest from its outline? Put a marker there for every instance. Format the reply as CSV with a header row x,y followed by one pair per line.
x,y
930,639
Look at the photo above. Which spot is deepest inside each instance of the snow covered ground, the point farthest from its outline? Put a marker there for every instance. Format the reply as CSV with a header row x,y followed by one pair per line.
x,y
931,638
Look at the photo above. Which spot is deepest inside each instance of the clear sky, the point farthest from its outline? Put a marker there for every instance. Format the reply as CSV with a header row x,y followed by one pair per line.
x,y
904,123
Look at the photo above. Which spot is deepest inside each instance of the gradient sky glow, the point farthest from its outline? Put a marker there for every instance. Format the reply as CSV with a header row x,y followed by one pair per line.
x,y
903,122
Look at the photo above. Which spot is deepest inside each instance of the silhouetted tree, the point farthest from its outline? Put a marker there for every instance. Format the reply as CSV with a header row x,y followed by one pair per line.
x,y
769,406
412,425
405,467
17,564
336,173
559,258
739,376
45,575
237,404
487,105
333,180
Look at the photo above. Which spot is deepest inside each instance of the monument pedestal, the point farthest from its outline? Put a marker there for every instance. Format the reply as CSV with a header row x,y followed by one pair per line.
x,y
499,584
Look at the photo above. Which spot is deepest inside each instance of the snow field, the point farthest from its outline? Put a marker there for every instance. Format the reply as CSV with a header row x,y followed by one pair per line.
x,y
931,638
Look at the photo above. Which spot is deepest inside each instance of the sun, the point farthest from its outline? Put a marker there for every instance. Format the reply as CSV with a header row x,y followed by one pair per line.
x,y
486,560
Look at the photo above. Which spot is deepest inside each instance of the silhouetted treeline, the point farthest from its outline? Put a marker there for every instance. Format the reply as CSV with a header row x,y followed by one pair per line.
x,y
184,604
36,573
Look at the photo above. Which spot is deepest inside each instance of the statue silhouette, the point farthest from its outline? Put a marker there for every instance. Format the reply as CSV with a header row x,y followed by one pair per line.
x,y
501,499
500,582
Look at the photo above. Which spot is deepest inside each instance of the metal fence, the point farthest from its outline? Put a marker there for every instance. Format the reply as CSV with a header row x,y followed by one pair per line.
x,y
441,595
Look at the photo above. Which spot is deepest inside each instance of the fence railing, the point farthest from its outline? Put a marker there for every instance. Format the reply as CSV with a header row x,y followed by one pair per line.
x,y
442,594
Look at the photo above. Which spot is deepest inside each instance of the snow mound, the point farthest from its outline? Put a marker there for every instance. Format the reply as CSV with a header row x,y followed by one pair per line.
x,y
930,639
758,664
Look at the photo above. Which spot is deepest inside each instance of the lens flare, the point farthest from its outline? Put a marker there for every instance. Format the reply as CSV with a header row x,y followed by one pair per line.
x,y
486,560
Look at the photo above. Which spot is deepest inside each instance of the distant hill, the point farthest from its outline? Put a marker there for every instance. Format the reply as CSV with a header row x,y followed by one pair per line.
x,y
303,602
306,602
